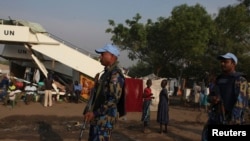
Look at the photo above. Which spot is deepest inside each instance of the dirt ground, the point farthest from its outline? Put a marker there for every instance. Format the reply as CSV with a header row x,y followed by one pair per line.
x,y
62,122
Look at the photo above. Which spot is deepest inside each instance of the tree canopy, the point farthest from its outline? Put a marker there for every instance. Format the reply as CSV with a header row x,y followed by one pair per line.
x,y
186,43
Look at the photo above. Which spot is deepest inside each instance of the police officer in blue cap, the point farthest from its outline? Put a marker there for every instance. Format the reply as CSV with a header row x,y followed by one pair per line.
x,y
109,94
228,98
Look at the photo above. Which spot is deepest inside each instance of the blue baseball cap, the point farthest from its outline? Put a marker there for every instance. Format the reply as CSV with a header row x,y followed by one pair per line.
x,y
109,48
228,56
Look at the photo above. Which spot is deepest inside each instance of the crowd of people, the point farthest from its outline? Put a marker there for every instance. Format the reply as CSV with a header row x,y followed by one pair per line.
x,y
14,90
227,96
198,96
225,99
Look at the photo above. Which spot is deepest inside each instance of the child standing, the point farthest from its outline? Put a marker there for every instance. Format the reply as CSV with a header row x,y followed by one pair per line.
x,y
163,110
147,97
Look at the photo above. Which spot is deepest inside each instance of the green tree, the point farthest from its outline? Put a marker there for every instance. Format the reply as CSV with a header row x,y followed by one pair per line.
x,y
232,34
177,40
139,70
186,43
233,29
191,29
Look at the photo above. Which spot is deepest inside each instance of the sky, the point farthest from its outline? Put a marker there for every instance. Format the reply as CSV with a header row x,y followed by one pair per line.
x,y
83,22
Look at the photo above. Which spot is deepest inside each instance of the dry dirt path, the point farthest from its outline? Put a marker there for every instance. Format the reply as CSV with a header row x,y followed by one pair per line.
x,y
57,123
